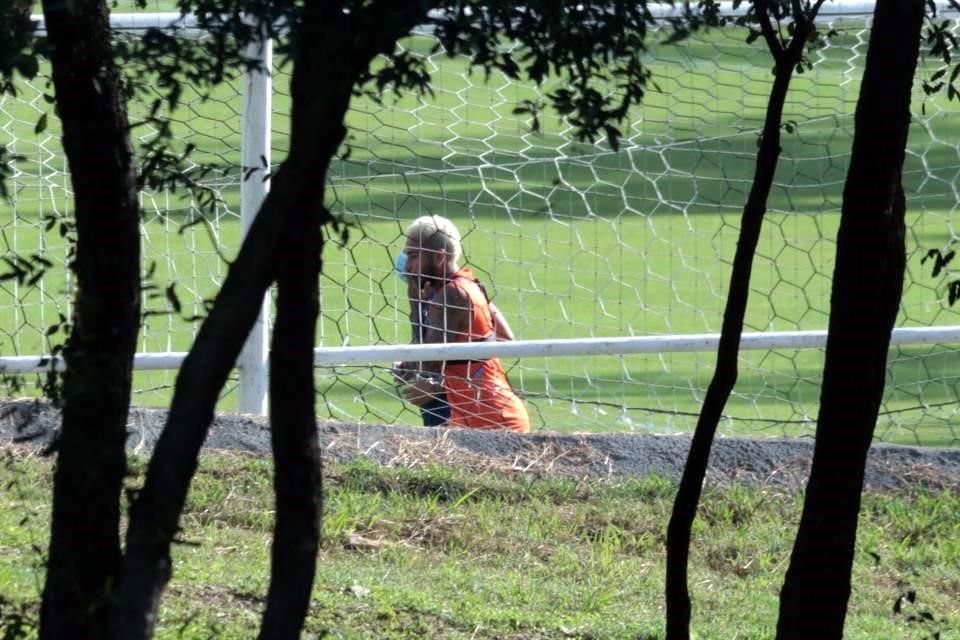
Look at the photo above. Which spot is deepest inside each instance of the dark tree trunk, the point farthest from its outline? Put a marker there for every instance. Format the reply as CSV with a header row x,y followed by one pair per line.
x,y
84,553
677,594
296,451
155,512
16,33
867,284
330,58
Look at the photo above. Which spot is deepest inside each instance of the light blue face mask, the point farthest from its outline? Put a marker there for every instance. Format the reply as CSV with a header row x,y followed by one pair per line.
x,y
401,265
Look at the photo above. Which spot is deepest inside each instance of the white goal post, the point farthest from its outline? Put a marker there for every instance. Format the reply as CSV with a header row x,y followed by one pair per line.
x,y
595,255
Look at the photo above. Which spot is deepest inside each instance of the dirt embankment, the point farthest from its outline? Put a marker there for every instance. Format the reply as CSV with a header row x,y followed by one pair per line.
x,y
779,462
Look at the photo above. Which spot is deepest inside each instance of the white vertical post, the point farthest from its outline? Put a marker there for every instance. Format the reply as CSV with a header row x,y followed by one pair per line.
x,y
255,153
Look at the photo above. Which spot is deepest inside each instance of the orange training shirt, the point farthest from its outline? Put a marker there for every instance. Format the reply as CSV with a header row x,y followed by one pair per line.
x,y
479,394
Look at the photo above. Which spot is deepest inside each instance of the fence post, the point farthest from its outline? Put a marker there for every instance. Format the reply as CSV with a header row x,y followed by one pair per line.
x,y
255,153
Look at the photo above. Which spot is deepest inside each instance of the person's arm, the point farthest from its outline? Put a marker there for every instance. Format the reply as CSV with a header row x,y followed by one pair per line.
x,y
449,313
501,328
416,297
448,316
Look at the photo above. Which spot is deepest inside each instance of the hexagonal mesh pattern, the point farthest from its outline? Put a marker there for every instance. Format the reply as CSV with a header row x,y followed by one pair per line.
x,y
571,239
176,249
576,240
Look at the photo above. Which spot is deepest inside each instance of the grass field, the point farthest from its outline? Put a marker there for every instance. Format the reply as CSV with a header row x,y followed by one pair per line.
x,y
573,239
430,552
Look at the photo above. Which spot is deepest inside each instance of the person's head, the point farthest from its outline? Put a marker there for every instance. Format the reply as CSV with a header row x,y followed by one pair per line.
x,y
433,247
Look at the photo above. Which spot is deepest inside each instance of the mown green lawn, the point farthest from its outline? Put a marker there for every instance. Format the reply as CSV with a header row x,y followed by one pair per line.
x,y
437,553
573,239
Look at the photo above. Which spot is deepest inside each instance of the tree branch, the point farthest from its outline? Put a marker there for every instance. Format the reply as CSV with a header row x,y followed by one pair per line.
x,y
84,551
769,35
318,108
864,302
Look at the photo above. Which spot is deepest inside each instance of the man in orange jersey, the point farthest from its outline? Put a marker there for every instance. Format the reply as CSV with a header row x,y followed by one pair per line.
x,y
458,310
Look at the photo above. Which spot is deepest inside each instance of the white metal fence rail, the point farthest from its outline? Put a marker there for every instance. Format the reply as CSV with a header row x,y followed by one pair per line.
x,y
252,365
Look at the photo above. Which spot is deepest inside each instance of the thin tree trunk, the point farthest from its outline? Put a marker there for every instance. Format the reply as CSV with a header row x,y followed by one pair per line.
x,y
296,452
155,513
867,285
84,553
330,57
677,593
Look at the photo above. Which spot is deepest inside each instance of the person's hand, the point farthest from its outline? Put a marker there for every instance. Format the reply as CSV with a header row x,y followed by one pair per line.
x,y
421,391
413,289
426,291
404,372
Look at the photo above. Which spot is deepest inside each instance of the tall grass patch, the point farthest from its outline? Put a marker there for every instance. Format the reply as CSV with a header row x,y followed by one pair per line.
x,y
437,552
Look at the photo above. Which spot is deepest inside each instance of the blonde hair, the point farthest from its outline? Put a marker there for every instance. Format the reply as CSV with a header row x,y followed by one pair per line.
x,y
437,232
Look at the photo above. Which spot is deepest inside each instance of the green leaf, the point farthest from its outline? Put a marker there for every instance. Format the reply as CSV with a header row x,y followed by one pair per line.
x,y
28,66
954,73
172,297
613,136
953,291
41,125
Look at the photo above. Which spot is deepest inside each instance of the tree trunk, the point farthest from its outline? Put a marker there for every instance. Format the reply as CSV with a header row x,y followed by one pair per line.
x,y
16,34
296,451
867,284
677,594
84,552
324,73
155,512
